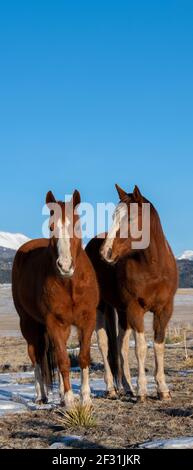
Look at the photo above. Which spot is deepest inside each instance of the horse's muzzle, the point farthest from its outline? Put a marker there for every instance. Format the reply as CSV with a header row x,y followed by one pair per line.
x,y
108,257
63,272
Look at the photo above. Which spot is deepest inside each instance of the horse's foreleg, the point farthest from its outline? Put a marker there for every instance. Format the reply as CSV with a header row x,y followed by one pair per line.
x,y
85,387
123,344
59,334
84,361
66,394
160,323
103,346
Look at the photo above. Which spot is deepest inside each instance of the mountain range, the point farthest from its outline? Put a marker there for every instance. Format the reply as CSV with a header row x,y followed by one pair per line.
x,y
10,242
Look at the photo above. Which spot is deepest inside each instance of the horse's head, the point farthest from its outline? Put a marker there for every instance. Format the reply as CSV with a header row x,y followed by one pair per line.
x,y
118,242
65,232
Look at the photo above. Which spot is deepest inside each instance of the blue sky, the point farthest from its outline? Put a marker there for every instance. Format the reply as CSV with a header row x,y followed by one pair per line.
x,y
93,93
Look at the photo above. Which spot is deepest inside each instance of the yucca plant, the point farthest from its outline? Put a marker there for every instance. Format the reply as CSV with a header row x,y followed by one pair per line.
x,y
78,416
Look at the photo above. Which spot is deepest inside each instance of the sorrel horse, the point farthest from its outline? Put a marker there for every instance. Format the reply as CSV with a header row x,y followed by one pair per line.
x,y
54,286
132,282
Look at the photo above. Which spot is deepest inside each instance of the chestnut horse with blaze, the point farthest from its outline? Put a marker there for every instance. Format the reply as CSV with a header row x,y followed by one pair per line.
x,y
54,286
132,282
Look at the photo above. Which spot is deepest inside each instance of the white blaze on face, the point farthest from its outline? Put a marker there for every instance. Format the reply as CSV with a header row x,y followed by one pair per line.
x,y
120,213
64,261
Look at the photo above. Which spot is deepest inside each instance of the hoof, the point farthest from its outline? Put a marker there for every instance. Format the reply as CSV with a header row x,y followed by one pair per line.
x,y
121,392
41,401
70,406
62,402
86,401
141,398
130,393
126,393
69,400
164,396
111,395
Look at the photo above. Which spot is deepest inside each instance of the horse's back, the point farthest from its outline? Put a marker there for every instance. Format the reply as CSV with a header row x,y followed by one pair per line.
x,y
30,250
32,245
174,275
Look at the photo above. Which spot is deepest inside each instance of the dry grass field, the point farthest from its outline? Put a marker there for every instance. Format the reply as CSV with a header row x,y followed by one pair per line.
x,y
121,423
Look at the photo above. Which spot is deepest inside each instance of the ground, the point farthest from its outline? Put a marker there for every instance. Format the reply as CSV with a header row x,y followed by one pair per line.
x,y
120,423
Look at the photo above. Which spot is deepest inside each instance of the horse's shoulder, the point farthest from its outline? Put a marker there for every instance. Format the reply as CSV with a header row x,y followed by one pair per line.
x,y
84,259
86,265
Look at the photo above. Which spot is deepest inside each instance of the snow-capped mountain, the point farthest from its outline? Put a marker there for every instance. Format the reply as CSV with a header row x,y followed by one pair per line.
x,y
9,244
12,241
187,254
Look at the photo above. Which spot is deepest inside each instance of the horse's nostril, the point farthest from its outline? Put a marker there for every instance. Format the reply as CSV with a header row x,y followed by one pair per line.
x,y
59,264
109,253
106,254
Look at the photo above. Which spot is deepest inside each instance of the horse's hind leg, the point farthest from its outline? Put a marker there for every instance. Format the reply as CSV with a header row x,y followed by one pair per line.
x,y
123,342
135,319
161,320
40,386
103,344
85,334
34,334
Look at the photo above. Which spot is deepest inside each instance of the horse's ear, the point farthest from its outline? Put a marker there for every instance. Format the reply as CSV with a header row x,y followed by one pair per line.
x,y
50,198
122,194
76,198
137,194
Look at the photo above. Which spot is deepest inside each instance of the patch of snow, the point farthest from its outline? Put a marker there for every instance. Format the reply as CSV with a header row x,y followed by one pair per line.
x,y
17,397
7,407
174,345
184,373
12,240
73,350
181,299
5,286
132,344
178,443
66,441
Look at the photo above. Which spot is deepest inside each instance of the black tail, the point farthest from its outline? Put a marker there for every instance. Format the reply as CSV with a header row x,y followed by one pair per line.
x,y
48,362
111,321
